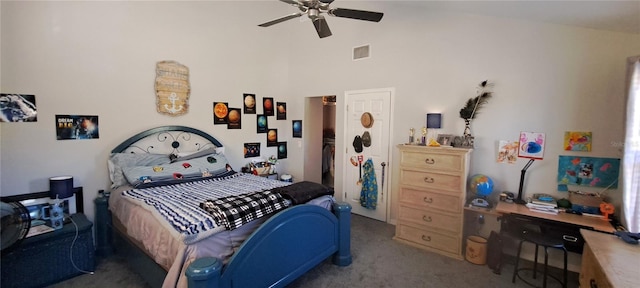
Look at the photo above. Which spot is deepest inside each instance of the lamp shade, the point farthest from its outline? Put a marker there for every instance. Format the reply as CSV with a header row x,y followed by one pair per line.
x,y
60,187
434,120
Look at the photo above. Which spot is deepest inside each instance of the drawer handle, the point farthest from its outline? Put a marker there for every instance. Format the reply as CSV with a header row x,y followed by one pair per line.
x,y
570,238
593,283
428,180
427,218
429,161
426,238
428,200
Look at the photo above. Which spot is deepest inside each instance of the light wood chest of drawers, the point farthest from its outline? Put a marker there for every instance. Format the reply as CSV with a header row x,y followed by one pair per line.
x,y
431,198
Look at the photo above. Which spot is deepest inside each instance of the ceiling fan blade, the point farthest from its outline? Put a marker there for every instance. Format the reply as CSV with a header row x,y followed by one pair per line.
x,y
292,2
281,19
321,27
356,14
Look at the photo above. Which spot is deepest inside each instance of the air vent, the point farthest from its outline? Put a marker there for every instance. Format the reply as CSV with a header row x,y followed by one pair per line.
x,y
361,52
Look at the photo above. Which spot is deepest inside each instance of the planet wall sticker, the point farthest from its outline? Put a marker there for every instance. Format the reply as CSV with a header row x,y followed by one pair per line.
x,y
262,124
249,103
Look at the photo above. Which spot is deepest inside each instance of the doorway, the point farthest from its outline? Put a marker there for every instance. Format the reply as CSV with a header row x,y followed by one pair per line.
x,y
319,139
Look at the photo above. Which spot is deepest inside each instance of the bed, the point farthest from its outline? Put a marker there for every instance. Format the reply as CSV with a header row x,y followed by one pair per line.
x,y
197,246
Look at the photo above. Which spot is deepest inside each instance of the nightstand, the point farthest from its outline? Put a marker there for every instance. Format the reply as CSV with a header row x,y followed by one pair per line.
x,y
45,259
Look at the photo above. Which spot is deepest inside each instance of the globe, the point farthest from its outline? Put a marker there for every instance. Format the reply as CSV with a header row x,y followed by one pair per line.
x,y
481,185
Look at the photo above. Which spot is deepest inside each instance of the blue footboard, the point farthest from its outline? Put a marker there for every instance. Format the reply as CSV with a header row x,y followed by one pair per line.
x,y
285,247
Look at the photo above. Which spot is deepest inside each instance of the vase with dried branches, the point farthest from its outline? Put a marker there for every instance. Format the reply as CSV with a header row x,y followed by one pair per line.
x,y
470,110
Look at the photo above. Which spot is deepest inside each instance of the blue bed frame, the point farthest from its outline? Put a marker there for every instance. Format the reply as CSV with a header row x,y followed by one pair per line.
x,y
284,248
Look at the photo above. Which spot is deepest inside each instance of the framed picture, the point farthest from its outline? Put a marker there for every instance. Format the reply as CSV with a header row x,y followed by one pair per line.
x,y
272,138
234,119
445,139
251,150
267,106
281,113
282,150
249,103
297,128
262,123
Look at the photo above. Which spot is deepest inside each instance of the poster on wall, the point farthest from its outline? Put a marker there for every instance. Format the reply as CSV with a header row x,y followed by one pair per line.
x,y
262,124
577,141
18,108
507,151
172,88
531,145
267,106
249,101
272,138
251,150
234,118
74,127
588,171
297,128
282,150
281,113
220,112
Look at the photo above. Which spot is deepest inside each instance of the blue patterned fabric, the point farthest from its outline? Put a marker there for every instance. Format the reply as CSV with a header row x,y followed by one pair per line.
x,y
177,205
369,192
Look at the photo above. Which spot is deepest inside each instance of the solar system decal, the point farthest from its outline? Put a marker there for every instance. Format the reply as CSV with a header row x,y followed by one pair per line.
x,y
297,128
251,150
262,124
588,171
234,119
267,105
249,101
18,108
281,111
220,112
282,150
272,137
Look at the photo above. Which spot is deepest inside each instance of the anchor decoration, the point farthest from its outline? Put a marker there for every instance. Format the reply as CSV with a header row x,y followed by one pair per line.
x,y
172,88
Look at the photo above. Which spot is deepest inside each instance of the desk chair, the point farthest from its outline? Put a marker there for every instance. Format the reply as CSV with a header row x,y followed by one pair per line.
x,y
540,239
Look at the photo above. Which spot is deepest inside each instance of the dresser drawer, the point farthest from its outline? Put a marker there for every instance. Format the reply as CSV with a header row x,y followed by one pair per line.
x,y
426,199
441,162
431,180
429,238
431,219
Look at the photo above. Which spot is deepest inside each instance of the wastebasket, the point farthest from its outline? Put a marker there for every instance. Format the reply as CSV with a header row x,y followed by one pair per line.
x,y
476,252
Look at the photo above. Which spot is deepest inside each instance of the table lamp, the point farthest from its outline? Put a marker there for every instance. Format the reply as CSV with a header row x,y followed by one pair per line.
x,y
531,146
434,121
60,187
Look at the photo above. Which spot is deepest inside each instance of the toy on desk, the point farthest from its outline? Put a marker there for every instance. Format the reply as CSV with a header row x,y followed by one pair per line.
x,y
631,238
606,209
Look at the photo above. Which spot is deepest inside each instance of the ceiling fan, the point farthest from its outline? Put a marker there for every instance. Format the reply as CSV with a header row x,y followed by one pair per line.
x,y
314,10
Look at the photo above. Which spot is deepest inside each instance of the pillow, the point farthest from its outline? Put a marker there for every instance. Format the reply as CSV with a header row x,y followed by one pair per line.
x,y
198,154
119,160
207,166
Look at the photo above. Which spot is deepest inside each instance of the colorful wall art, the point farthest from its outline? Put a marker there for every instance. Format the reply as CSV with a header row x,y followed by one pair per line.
x,y
249,103
507,151
297,128
531,145
588,171
77,127
18,108
577,141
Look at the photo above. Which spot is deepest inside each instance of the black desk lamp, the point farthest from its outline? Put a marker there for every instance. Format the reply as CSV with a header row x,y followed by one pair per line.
x,y
522,172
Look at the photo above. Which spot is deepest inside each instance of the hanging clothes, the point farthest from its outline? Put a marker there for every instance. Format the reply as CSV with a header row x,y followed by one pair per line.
x,y
369,192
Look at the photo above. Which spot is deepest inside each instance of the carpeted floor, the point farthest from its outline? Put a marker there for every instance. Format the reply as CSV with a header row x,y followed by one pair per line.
x,y
378,261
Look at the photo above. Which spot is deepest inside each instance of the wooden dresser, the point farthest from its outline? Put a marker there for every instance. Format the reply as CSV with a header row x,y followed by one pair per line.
x,y
608,261
431,198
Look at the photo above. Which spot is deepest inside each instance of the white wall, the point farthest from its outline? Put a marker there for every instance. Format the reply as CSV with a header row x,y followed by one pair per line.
x,y
548,78
98,58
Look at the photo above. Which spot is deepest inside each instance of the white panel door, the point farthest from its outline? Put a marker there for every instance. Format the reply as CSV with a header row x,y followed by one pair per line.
x,y
378,102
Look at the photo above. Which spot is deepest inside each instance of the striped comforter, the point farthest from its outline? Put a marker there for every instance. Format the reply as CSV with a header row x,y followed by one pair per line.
x,y
177,206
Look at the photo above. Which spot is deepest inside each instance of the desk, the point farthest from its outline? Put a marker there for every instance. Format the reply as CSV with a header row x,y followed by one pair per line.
x,y
588,222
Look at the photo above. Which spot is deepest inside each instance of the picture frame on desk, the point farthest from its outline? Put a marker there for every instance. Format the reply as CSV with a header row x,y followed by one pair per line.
x,y
445,139
71,205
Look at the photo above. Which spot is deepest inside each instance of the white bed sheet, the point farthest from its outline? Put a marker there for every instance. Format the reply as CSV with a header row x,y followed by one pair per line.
x,y
170,252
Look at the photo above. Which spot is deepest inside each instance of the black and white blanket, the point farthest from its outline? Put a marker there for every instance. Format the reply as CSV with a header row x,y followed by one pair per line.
x,y
235,211
178,206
